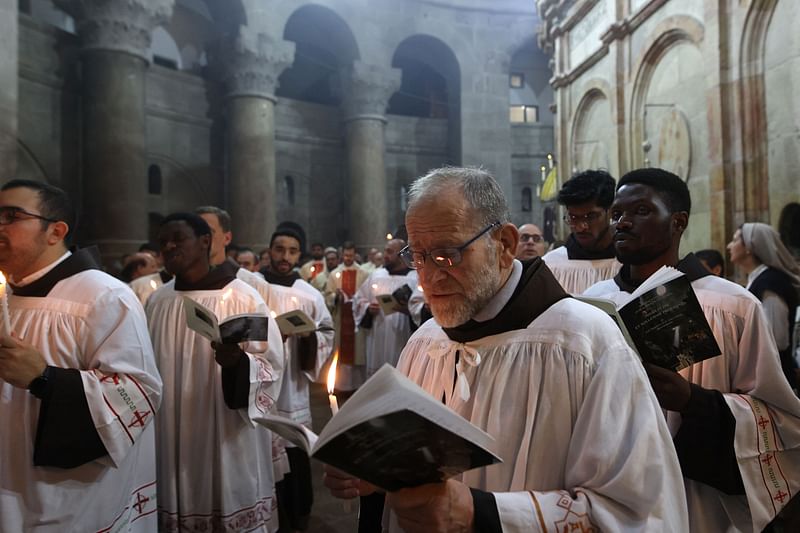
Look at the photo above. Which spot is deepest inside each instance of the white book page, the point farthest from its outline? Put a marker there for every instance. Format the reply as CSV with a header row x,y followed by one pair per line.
x,y
201,319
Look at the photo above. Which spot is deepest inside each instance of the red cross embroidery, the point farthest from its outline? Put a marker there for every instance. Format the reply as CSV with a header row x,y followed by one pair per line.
x,y
767,460
140,501
781,496
763,422
138,419
110,378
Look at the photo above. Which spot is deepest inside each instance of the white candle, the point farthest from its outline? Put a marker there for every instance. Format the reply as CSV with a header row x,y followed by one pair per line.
x,y
550,160
332,384
334,403
4,301
544,173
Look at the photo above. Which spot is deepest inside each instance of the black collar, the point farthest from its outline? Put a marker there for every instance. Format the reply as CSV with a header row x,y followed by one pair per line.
x,y
689,265
536,291
217,278
402,271
280,279
165,276
80,260
575,251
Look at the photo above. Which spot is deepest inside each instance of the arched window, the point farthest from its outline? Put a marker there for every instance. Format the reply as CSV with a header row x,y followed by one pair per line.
x,y
527,200
154,179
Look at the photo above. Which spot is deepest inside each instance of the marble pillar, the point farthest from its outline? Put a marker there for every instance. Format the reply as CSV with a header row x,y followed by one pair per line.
x,y
365,91
8,89
115,38
252,64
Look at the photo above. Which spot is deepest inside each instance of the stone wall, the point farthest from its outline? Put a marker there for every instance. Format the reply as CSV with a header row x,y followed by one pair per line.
x,y
703,91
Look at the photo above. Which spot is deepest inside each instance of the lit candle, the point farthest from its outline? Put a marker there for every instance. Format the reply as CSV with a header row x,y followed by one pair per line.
x,y
388,236
153,284
313,268
550,160
4,300
332,384
544,173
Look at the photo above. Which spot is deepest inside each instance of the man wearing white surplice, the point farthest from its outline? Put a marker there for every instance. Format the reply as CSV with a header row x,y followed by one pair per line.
x,y
305,355
215,464
385,335
736,422
584,444
78,381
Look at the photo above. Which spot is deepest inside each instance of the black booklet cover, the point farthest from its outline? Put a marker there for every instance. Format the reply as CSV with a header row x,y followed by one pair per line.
x,y
393,434
234,329
663,321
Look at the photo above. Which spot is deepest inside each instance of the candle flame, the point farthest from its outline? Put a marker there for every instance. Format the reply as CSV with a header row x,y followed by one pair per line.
x,y
544,168
226,294
332,373
338,275
153,284
388,236
549,156
375,286
2,279
273,313
313,268
420,288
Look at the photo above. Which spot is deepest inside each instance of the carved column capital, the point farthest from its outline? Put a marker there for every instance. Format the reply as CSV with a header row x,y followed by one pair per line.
x,y
365,90
251,63
118,25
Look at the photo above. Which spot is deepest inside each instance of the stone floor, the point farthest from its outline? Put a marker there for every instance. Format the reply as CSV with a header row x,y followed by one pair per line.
x,y
328,514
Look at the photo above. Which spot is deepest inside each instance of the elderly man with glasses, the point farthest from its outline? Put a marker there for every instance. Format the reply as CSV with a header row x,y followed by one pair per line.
x,y
531,242
588,255
583,441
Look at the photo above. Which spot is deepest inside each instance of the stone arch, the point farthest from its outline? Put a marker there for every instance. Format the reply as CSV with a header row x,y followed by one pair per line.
x,y
770,177
428,63
324,43
753,201
789,227
593,153
227,14
669,33
181,187
164,50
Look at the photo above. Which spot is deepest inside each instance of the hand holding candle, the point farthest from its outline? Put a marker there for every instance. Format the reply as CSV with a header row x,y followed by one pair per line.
x,y
4,304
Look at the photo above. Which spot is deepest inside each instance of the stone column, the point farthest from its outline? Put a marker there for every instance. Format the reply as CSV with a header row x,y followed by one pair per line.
x,y
8,89
365,91
251,65
115,37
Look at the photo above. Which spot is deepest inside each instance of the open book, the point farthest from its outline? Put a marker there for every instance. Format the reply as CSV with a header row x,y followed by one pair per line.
x,y
234,329
393,434
663,321
392,303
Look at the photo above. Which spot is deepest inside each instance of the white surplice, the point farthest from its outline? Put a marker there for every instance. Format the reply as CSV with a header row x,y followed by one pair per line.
x,y
215,464
293,402
144,286
748,373
93,323
577,275
385,339
582,438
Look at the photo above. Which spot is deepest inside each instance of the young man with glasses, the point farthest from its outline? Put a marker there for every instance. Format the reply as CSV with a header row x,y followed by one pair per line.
x,y
79,385
588,255
531,242
583,441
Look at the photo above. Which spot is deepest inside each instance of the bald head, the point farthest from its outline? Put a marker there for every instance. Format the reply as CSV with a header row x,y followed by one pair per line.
x,y
391,255
531,242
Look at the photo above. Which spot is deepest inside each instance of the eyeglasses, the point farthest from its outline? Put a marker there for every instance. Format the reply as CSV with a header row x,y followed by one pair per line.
x,y
441,257
10,214
525,237
588,218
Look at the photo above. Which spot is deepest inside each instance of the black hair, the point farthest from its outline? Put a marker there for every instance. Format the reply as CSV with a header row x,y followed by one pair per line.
x,y
54,203
149,247
669,186
712,258
348,245
285,232
133,265
597,185
196,222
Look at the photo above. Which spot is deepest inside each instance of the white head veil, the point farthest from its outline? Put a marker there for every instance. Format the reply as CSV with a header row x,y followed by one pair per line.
x,y
763,241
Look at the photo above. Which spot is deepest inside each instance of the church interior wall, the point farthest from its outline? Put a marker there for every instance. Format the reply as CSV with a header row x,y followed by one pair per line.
x,y
781,80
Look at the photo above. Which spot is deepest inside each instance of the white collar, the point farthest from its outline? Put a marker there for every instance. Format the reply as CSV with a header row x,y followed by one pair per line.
x,y
751,277
30,278
499,300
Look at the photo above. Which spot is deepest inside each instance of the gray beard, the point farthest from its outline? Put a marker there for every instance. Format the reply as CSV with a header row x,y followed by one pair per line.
x,y
484,285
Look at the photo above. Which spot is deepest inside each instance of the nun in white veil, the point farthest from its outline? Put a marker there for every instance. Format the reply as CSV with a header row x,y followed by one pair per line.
x,y
773,276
